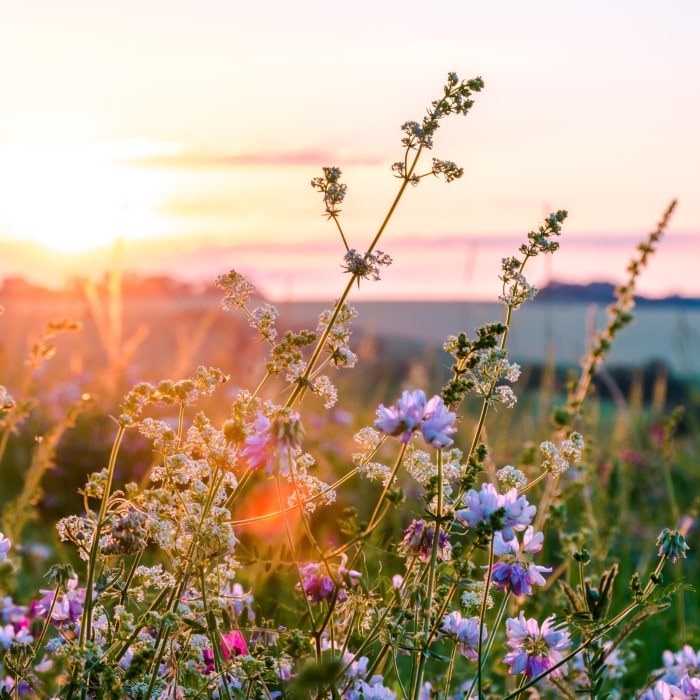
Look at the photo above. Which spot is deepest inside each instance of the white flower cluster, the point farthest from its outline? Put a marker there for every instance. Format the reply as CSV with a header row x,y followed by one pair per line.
x,y
557,461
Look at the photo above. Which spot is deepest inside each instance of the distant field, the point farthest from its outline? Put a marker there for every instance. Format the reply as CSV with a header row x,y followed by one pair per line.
x,y
668,333
179,333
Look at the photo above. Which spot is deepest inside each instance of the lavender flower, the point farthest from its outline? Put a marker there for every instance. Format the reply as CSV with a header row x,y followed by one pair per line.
x,y
403,418
512,570
274,444
488,509
438,423
535,650
466,631
413,412
418,540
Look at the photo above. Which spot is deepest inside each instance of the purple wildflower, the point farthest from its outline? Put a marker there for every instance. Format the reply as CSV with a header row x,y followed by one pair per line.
x,y
320,586
535,650
466,631
512,570
413,412
438,423
484,508
274,444
418,540
5,545
403,418
68,607
661,690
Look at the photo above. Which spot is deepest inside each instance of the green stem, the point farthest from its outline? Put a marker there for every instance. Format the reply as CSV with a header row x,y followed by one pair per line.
x,y
86,622
482,616
432,573
299,388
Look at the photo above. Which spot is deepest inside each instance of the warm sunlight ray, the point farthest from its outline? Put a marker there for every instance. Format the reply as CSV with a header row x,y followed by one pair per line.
x,y
76,197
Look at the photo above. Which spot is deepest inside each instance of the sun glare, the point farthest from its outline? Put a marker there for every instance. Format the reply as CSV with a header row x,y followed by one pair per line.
x,y
75,197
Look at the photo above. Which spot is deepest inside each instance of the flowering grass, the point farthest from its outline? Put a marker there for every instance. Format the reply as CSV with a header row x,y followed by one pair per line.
x,y
417,564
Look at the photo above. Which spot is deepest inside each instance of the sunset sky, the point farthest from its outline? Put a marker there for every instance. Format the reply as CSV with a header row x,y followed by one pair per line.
x,y
192,129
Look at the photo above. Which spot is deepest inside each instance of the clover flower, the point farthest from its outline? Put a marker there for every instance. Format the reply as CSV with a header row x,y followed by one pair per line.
x,y
418,540
535,650
274,443
671,544
413,412
512,570
466,632
489,510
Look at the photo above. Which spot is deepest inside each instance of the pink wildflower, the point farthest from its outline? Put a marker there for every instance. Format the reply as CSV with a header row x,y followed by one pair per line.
x,y
274,444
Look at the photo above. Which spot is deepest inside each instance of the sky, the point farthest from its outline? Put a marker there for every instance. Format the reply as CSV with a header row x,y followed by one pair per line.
x,y
191,130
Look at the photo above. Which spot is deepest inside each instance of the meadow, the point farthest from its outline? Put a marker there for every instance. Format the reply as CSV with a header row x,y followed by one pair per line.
x,y
244,513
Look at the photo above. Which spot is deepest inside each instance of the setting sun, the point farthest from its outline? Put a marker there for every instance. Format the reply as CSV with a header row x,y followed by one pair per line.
x,y
77,197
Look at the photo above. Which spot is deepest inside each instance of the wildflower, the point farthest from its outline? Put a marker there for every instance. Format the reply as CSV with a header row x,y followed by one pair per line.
x,y
374,690
274,444
404,418
68,607
680,663
671,544
413,412
511,478
5,545
418,540
438,423
558,461
512,570
449,170
318,586
661,690
535,650
233,644
365,266
489,510
263,319
331,188
466,632
473,596
505,395
238,290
